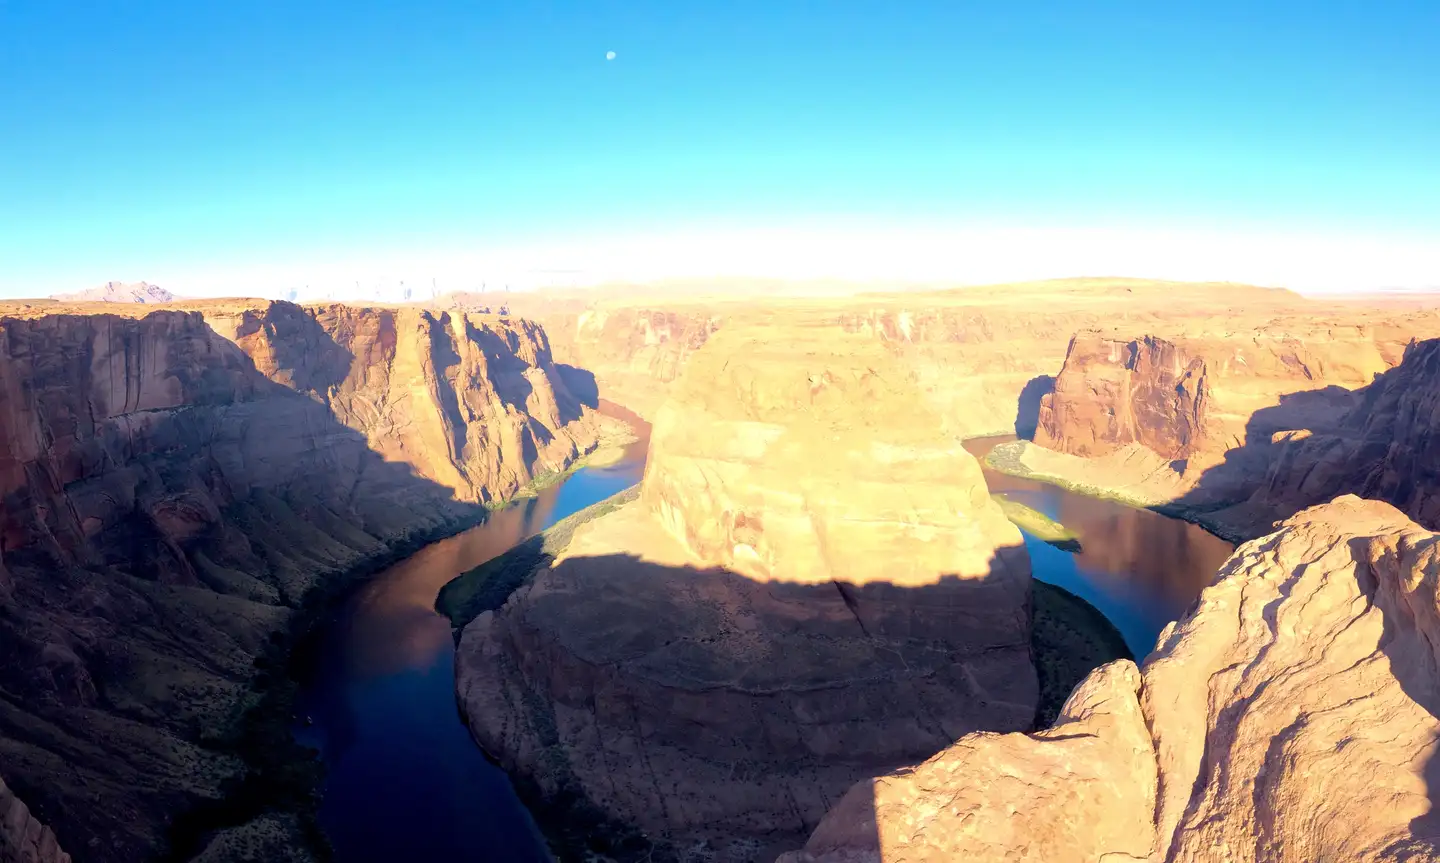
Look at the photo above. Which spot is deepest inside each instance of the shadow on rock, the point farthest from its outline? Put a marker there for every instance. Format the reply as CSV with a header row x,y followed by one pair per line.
x,y
660,712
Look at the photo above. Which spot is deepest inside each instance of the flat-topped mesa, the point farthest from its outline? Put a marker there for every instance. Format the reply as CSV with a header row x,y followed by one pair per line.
x,y
1290,717
813,582
175,481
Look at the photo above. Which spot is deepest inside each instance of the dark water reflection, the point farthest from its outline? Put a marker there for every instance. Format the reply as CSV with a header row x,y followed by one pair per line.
x,y
404,781
1139,568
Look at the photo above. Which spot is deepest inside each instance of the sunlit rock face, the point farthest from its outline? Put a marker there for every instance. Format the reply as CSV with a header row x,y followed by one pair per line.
x,y
1291,716
174,481
813,581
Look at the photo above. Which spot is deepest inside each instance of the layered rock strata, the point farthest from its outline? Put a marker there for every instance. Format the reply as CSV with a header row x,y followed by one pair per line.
x,y
813,582
1291,716
174,483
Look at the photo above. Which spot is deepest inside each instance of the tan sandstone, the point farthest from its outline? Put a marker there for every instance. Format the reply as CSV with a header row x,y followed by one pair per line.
x,y
814,583
1291,716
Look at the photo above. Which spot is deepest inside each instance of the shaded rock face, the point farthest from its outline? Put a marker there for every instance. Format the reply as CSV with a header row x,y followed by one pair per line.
x,y
805,588
1291,716
1385,447
171,488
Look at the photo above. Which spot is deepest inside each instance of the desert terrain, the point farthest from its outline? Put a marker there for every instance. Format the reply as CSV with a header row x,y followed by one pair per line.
x,y
811,633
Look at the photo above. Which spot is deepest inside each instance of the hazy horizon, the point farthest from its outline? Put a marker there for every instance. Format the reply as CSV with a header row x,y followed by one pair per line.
x,y
265,148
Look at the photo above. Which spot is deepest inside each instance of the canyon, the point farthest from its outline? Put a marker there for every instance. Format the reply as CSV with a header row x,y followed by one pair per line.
x,y
1290,716
810,633
180,486
804,590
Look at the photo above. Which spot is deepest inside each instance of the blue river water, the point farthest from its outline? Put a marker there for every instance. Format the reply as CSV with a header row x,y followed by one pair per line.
x,y
1139,568
404,781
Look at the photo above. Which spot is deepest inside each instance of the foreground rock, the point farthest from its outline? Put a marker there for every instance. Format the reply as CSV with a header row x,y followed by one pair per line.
x,y
1292,716
176,483
806,591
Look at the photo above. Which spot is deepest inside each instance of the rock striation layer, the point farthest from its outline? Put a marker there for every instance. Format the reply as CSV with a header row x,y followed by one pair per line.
x,y
813,583
1291,716
175,483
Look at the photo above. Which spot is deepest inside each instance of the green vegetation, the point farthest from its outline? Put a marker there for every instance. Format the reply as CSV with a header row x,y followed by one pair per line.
x,y
1070,638
1038,524
1007,457
487,586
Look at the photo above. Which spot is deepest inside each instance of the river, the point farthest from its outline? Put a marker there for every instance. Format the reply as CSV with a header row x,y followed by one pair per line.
x,y
404,781
1139,568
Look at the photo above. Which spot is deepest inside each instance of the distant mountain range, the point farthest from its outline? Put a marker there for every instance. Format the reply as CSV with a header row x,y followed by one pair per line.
x,y
119,292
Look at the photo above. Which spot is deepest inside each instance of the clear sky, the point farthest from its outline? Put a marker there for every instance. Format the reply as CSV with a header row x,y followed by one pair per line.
x,y
253,146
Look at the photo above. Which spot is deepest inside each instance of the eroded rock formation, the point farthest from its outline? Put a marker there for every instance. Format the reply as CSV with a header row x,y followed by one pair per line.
x,y
1291,716
173,484
1384,447
814,582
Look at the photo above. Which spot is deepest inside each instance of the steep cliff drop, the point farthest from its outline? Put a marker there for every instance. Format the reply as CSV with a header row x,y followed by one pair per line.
x,y
1291,717
1192,422
813,584
176,484
1385,448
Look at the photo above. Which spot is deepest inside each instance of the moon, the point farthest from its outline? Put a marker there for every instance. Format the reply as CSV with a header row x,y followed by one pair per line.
x,y
609,55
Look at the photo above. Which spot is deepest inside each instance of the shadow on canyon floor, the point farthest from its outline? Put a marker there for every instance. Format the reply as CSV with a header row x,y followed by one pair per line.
x,y
736,689
156,573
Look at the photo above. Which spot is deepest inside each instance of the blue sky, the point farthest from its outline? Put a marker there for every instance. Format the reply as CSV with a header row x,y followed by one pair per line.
x,y
286,139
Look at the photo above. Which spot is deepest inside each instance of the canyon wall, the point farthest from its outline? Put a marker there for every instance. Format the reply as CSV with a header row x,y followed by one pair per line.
x,y
814,582
1385,447
1291,716
986,354
1197,419
174,483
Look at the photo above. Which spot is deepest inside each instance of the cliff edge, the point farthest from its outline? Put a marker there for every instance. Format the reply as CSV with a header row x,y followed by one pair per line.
x,y
1291,716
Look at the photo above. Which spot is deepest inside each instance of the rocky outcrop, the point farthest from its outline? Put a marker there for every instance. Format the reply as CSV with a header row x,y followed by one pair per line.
x,y
1194,397
805,590
1291,716
173,484
1384,447
22,838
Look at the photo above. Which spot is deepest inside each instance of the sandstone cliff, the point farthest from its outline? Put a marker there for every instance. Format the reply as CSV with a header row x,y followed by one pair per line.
x,y
814,583
1384,447
174,483
1291,716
